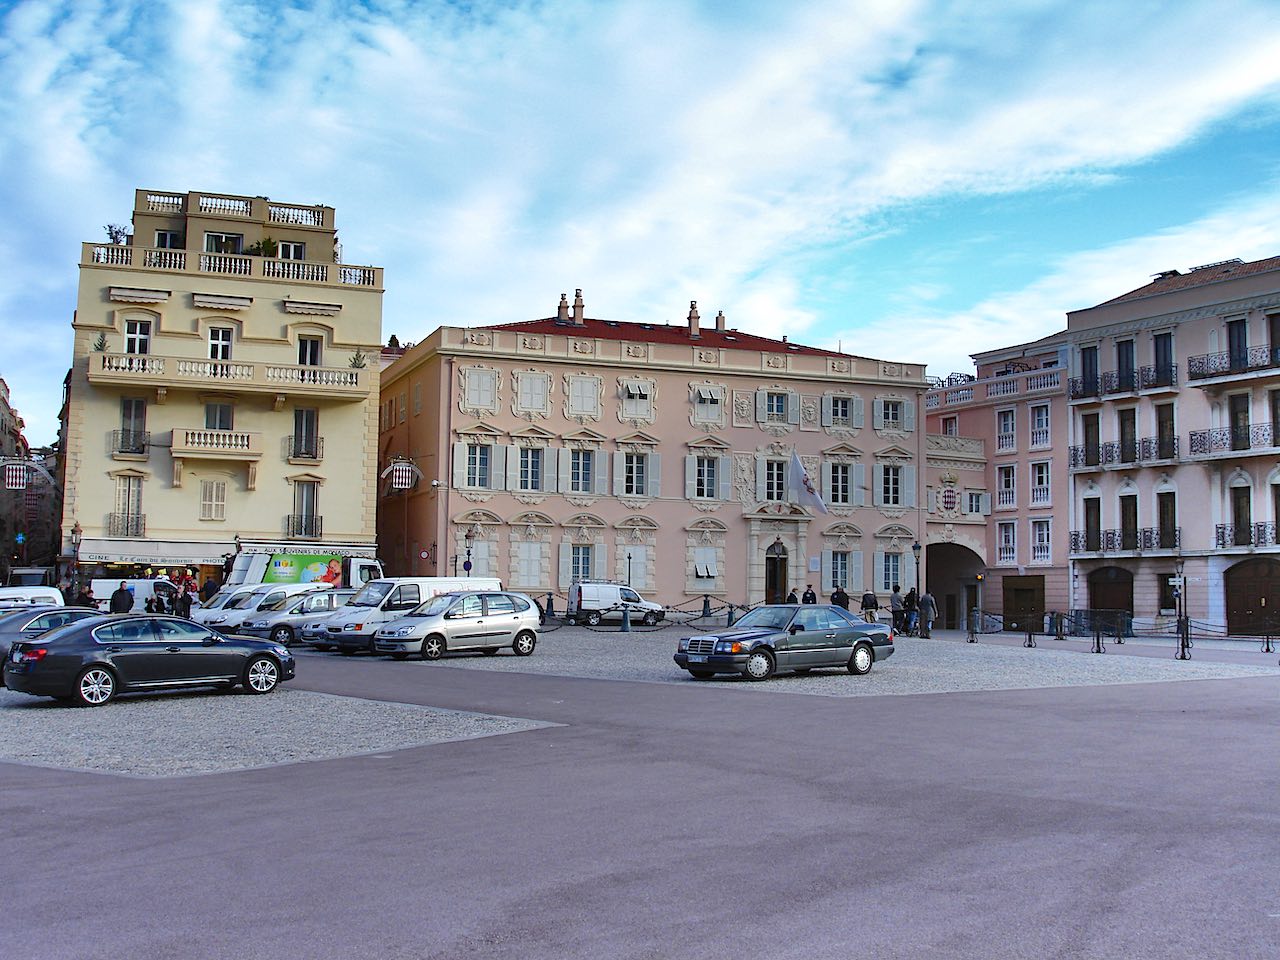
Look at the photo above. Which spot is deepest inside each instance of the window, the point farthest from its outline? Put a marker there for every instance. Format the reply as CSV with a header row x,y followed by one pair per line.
x,y
708,403
891,486
584,397
527,559
892,414
530,468
842,483
306,520
213,500
168,240
839,570
775,480
842,411
580,469
220,343
775,407
1006,542
532,391
580,562
977,503
704,565
133,425
1241,517
1041,547
404,406
1006,486
1089,427
1127,425
890,566
1093,524
637,400
306,433
1040,425
417,399
291,250
309,351
478,465
1129,522
1126,370
1167,518
1163,375
129,496
223,242
1005,437
705,485
1088,372
137,337
1040,495
950,426
217,416
634,481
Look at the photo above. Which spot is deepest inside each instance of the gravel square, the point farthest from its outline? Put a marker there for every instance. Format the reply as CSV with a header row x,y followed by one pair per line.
x,y
183,734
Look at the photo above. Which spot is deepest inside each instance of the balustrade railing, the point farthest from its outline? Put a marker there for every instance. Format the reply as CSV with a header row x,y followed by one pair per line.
x,y
1004,441
1245,535
126,524
1086,541
1039,496
232,264
1006,498
1085,455
1039,436
932,401
304,447
1048,380
1158,448
306,216
1041,552
225,206
228,441
1006,554
1220,364
1153,377
1252,436
1002,388
1119,381
1159,538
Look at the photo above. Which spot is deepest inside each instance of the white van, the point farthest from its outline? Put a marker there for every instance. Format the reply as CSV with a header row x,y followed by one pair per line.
x,y
221,601
262,598
591,601
142,590
353,626
31,596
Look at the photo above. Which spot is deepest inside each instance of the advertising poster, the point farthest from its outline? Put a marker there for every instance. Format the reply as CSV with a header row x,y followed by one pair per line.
x,y
304,568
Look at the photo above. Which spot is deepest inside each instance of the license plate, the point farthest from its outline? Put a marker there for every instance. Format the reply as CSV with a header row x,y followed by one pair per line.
x,y
695,658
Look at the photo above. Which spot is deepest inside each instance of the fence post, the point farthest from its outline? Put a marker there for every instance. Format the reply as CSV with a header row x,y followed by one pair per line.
x,y
1059,632
551,605
1097,636
972,635
706,604
728,620
1031,640
626,619
1184,639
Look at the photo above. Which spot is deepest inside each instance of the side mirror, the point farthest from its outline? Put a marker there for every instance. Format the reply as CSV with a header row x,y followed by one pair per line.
x,y
210,640
795,628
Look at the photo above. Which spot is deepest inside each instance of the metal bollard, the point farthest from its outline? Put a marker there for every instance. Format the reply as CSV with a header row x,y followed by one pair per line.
x,y
972,635
626,619
1031,640
1097,639
728,620
706,604
551,605
1184,639
1059,633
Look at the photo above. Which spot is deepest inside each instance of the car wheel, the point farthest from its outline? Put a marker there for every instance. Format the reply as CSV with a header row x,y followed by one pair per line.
x,y
371,647
861,660
262,675
490,651
524,644
433,648
94,687
702,674
399,656
593,619
323,647
650,619
759,665
282,635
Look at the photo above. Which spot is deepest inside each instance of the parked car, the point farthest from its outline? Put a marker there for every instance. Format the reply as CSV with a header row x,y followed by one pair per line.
x,y
264,598
29,622
12,597
223,601
591,601
90,661
354,627
463,621
787,636
285,623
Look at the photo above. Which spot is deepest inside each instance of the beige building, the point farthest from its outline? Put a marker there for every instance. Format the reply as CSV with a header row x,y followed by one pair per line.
x,y
570,448
223,392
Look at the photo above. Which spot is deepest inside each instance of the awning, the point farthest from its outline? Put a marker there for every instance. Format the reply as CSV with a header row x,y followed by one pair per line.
x,y
153,552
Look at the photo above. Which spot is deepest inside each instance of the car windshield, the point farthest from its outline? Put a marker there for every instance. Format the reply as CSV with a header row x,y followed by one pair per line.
x,y
772,618
239,602
372,593
274,604
432,607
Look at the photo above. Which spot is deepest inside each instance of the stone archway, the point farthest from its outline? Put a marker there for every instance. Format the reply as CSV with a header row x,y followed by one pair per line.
x,y
1252,594
951,575
1111,588
775,573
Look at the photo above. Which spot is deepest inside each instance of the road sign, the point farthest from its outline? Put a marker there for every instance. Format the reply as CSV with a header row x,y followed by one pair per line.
x,y
20,538
423,555
1175,581
466,565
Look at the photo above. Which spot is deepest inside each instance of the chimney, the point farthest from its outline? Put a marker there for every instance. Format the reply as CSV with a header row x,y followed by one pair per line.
x,y
562,311
693,320
578,319
720,321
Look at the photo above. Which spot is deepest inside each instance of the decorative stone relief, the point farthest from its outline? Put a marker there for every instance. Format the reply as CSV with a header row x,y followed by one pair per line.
x,y
584,347
529,498
479,338
706,506
744,477
475,497
637,350
809,412
744,408
636,503
531,343
775,362
892,370
708,356
838,366
581,501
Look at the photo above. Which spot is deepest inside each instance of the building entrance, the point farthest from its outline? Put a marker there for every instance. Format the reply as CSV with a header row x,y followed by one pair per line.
x,y
1023,602
775,574
1111,588
1253,597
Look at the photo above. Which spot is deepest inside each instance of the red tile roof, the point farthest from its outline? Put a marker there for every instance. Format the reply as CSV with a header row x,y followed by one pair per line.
x,y
1198,277
664,333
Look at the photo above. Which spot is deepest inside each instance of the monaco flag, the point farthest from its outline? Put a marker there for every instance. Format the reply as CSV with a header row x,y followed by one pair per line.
x,y
805,492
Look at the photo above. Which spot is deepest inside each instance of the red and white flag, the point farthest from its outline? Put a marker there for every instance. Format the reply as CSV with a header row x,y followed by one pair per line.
x,y
806,493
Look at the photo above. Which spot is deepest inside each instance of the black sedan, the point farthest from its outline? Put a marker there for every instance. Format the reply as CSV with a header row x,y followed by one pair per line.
x,y
787,636
24,623
91,661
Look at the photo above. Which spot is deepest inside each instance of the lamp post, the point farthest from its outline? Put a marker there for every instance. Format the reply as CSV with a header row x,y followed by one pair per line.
x,y
628,568
1180,600
76,534
916,550
468,537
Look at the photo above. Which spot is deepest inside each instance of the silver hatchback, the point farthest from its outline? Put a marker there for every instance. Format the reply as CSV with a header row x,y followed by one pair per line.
x,y
285,623
485,621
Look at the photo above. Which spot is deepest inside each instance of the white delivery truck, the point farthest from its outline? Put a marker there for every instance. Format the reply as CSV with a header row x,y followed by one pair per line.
x,y
353,626
333,569
591,601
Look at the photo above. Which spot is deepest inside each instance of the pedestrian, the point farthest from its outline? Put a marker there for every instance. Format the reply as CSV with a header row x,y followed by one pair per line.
x,y
870,604
909,608
840,598
809,595
928,610
121,599
68,595
85,598
895,607
208,589
791,596
150,605
182,605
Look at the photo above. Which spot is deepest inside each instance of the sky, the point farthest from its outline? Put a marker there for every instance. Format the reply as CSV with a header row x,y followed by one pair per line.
x,y
917,181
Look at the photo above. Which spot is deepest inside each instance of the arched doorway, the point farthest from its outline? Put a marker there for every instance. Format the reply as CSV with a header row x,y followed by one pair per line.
x,y
951,575
1111,588
775,573
1253,597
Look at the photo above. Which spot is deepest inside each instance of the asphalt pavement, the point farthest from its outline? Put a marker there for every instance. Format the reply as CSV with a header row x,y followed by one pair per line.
x,y
684,820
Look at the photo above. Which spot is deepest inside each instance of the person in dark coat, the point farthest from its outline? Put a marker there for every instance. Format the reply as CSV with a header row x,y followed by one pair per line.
x,y
840,598
791,597
182,604
121,600
809,595
928,610
870,604
85,598
208,589
150,605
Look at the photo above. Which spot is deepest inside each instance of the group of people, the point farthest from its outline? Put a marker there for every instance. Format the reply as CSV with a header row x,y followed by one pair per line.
x,y
177,602
909,611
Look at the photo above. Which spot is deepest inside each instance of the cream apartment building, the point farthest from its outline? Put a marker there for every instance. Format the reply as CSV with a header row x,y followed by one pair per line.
x,y
224,388
1175,456
997,482
654,454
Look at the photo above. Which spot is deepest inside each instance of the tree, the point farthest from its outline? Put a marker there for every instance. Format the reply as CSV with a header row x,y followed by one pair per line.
x,y
118,232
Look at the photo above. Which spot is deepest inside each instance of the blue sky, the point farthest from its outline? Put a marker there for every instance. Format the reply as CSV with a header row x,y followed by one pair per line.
x,y
911,180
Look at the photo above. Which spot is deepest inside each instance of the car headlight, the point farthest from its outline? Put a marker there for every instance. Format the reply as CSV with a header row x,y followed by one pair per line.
x,y
404,632
256,624
729,646
684,644
218,620
281,652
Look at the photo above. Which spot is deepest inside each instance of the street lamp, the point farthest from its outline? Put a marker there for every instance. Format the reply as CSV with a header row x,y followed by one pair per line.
x,y
628,568
915,552
1180,603
76,534
468,537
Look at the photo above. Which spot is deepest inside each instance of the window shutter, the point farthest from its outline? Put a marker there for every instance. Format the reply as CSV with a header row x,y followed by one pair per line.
x,y
908,486
619,472
762,409
855,411
826,478
653,466
724,476
826,410
877,485
933,500
512,456
793,408
459,465
878,573
564,469
566,565
599,562
909,414
877,414
599,473
550,471
985,500
827,575
856,582
690,477
497,467
859,484
759,480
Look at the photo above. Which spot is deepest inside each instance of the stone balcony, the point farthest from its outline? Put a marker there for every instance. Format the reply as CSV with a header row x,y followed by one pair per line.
x,y
216,444
239,266
186,373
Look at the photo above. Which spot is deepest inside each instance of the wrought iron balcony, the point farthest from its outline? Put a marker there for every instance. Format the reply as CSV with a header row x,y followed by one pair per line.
x,y
1245,535
1086,541
1252,436
130,441
1080,388
1154,377
1158,448
304,448
303,525
126,524
1232,362
1085,455
1159,538
1119,381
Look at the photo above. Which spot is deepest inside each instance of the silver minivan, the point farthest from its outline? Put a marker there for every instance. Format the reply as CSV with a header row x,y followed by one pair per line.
x,y
485,621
